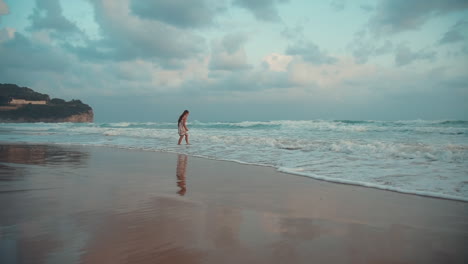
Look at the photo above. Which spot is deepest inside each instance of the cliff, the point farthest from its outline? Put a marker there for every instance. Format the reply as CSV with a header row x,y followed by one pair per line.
x,y
87,117
52,111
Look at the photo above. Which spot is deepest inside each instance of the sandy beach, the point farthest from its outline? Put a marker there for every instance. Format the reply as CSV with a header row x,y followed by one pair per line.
x,y
67,204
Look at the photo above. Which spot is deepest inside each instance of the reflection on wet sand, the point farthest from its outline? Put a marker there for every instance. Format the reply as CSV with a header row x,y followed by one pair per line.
x,y
170,230
42,155
181,171
18,246
27,198
128,211
13,157
10,173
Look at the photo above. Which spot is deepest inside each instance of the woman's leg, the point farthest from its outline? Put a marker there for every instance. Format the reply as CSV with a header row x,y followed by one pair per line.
x,y
180,139
186,139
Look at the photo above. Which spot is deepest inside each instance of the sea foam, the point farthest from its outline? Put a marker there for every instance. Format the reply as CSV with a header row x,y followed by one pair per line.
x,y
419,157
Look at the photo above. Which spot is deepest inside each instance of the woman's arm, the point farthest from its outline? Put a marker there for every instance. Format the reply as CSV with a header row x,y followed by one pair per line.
x,y
185,125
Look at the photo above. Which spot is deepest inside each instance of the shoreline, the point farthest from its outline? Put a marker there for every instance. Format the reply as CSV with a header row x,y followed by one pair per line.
x,y
296,174
83,204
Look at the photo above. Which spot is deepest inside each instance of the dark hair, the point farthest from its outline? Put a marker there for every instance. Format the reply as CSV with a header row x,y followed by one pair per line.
x,y
182,115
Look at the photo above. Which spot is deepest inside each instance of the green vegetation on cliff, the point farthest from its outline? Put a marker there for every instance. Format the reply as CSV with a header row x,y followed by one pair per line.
x,y
55,109
64,110
14,91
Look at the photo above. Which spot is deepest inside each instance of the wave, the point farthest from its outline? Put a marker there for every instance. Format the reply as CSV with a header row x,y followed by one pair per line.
x,y
332,123
147,125
237,125
420,122
431,155
372,149
280,127
454,122
425,126
376,186
352,122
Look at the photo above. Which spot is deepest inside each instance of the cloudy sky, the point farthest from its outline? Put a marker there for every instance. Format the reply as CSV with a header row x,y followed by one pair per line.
x,y
232,60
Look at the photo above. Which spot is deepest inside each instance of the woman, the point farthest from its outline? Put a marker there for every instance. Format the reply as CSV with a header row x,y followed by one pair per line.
x,y
183,130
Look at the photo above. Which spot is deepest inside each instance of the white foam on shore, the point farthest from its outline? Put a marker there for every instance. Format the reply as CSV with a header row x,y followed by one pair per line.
x,y
421,157
377,186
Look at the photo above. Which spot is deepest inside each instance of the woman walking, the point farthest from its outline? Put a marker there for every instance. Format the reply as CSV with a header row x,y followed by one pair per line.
x,y
182,125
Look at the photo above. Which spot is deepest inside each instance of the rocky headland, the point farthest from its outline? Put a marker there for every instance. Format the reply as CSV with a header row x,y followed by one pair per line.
x,y
24,105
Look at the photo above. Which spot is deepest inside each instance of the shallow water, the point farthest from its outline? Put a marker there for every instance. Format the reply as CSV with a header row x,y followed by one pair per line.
x,y
420,157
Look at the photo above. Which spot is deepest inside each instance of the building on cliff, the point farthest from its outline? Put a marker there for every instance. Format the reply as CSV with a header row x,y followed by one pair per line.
x,y
25,102
22,104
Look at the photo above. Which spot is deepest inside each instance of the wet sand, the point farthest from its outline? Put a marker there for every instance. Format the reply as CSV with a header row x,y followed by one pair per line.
x,y
102,205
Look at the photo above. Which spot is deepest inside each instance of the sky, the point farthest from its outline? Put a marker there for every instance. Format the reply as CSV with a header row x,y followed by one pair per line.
x,y
235,60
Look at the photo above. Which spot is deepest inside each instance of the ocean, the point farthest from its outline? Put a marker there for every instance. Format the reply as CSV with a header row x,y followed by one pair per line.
x,y
418,157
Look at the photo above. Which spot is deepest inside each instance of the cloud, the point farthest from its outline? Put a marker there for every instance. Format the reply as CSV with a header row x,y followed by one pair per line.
x,y
457,33
7,34
264,10
277,62
310,52
228,54
247,81
394,16
404,55
281,71
293,33
18,52
137,70
386,48
3,8
242,84
328,75
338,5
363,49
180,13
216,84
34,61
128,37
367,7
48,15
